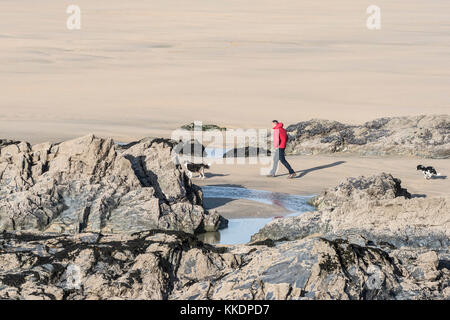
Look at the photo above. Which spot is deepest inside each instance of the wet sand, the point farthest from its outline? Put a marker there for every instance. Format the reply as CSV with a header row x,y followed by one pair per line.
x,y
243,208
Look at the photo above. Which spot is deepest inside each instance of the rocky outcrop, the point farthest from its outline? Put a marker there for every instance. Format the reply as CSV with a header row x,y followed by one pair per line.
x,y
246,152
191,148
174,265
120,213
144,265
6,142
418,222
90,184
374,210
363,189
422,136
376,217
203,127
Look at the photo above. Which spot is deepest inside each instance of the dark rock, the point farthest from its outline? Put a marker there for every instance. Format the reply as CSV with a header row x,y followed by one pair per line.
x,y
205,127
160,264
192,148
422,136
246,152
6,142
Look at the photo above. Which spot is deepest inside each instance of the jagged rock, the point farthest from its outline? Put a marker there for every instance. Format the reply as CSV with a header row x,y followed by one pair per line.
x,y
370,210
189,148
192,148
366,241
377,187
423,136
6,142
88,184
174,265
314,268
427,267
145,265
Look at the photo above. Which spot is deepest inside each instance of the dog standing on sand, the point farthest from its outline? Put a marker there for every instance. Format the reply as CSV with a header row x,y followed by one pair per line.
x,y
196,168
428,172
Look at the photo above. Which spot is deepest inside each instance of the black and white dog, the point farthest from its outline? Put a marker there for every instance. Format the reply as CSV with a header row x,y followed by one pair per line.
x,y
196,168
428,172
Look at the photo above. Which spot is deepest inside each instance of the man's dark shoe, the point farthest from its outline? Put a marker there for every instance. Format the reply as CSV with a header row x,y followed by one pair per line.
x,y
291,176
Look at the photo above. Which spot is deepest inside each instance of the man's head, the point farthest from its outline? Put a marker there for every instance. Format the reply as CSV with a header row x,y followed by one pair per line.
x,y
275,122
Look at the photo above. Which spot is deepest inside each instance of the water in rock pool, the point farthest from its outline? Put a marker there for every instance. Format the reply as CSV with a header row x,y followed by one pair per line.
x,y
240,230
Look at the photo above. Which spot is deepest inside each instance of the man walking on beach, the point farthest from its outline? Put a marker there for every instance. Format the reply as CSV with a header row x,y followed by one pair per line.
x,y
280,139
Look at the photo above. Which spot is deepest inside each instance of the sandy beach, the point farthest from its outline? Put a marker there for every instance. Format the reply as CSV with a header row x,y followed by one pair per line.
x,y
143,69
139,69
316,173
89,216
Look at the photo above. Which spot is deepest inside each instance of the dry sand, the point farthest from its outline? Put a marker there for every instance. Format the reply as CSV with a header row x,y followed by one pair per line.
x,y
140,68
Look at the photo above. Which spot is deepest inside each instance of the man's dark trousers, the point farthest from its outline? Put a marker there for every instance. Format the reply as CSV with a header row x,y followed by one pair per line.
x,y
279,155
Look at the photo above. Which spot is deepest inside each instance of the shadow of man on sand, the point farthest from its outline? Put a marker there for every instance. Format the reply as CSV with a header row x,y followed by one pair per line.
x,y
303,173
306,171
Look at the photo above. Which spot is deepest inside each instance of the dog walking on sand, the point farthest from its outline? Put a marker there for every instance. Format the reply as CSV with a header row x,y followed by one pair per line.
x,y
280,139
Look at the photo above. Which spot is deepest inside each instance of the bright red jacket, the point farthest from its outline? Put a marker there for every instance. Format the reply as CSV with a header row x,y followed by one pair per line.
x,y
280,136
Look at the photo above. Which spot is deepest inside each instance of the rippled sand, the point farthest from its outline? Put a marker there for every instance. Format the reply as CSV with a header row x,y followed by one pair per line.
x,y
139,68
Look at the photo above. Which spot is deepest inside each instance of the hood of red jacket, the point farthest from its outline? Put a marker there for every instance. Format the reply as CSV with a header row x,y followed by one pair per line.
x,y
278,125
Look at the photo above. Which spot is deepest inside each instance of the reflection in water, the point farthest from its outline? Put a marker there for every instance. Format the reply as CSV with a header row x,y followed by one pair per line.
x,y
240,230
295,204
209,237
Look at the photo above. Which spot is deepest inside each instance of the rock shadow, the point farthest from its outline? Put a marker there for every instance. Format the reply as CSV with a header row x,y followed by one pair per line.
x,y
210,175
147,178
215,202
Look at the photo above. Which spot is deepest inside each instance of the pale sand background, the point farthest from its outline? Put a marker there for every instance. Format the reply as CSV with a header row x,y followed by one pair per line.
x,y
140,68
318,173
